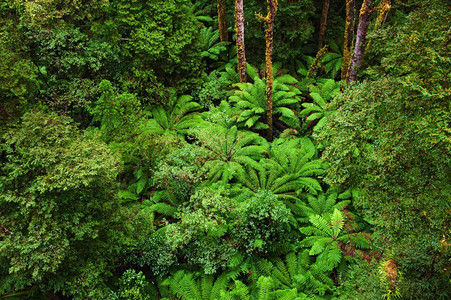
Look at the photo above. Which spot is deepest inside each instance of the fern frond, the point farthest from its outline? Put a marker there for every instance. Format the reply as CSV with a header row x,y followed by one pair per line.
x,y
221,284
164,209
239,292
337,222
265,285
310,230
322,224
206,284
309,184
334,256
280,272
251,71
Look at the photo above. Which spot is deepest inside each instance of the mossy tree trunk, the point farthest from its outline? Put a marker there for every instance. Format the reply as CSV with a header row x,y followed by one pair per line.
x,y
239,28
269,20
222,21
360,43
323,26
349,38
384,8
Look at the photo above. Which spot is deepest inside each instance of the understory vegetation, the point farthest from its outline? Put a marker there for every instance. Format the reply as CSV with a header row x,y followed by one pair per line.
x,y
136,162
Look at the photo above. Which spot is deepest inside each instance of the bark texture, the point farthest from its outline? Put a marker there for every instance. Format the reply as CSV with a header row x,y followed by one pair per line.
x,y
360,43
349,38
222,21
239,28
323,26
269,20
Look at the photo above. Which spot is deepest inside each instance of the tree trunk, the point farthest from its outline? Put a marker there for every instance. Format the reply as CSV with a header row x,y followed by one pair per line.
x,y
349,38
383,11
323,26
269,20
222,21
315,64
360,43
239,27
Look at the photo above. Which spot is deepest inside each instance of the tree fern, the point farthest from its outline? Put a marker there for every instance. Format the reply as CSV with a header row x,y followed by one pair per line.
x,y
321,94
298,157
230,150
210,45
271,177
326,241
177,117
250,100
323,204
333,61
194,286
285,278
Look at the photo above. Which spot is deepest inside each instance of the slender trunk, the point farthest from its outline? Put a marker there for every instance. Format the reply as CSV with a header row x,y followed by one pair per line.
x,y
323,26
269,20
349,38
384,8
360,43
240,50
315,64
222,21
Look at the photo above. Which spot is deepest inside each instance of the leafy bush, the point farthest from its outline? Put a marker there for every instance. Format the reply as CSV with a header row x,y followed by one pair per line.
x,y
389,136
58,205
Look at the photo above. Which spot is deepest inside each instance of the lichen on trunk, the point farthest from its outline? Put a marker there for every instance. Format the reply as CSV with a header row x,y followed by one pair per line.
x,y
222,21
360,43
240,50
269,34
349,38
315,64
384,8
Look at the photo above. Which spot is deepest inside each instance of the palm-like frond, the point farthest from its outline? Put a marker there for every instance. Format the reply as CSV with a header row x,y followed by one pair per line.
x,y
238,292
321,94
271,177
325,240
298,158
264,287
192,286
230,151
323,204
164,203
183,285
210,45
333,61
250,100
178,117
295,273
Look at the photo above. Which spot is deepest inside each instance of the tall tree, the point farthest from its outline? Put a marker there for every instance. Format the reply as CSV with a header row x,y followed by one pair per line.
x,y
323,26
240,50
269,20
222,21
360,43
349,37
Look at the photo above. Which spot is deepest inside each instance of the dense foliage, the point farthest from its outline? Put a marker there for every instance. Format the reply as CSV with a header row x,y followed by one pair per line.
x,y
134,164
